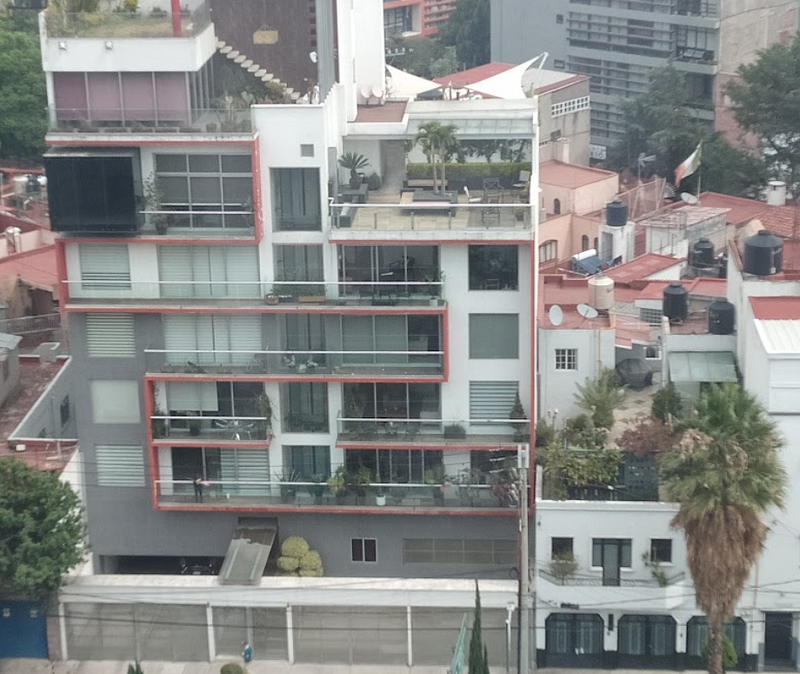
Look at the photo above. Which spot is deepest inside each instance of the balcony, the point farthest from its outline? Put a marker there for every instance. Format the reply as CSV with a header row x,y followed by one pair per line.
x,y
277,494
144,122
193,429
283,296
431,432
306,365
450,216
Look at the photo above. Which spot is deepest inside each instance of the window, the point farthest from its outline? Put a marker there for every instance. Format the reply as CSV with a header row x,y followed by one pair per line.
x,y
304,463
493,336
392,401
105,269
559,64
651,316
363,550
556,206
298,263
559,18
110,336
411,338
395,466
584,242
597,244
661,550
652,352
570,106
600,547
306,150
115,401
560,547
207,190
6,369
119,466
64,411
548,251
390,264
483,551
305,408
209,271
397,21
296,199
493,268
491,399
211,340
566,359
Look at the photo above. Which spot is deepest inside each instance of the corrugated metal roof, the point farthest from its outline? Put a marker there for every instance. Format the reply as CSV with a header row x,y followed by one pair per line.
x,y
779,336
702,366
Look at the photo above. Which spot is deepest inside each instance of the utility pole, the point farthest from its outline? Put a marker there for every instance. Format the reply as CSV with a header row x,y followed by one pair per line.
x,y
523,467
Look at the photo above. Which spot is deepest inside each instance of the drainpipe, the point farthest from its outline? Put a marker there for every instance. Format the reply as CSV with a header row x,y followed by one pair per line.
x,y
176,18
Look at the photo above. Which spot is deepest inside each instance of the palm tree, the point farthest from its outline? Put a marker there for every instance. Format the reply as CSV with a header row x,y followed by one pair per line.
x,y
725,474
448,144
354,162
427,138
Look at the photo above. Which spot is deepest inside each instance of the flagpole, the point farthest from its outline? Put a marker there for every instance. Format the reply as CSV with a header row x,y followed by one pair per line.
x,y
700,171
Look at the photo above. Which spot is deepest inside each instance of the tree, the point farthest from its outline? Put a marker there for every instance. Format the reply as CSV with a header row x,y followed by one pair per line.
x,y
22,89
663,122
725,474
766,101
415,54
42,532
467,29
447,64
438,142
478,654
599,397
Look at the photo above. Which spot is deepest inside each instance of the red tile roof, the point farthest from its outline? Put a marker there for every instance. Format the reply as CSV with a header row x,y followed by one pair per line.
x,y
709,287
777,219
571,175
643,266
553,86
477,74
775,308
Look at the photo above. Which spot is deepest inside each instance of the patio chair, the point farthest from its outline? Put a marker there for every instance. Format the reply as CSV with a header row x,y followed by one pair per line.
x,y
471,199
522,180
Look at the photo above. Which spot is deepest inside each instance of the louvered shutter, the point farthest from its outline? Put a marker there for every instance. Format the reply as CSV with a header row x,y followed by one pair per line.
x,y
192,396
491,400
221,336
175,271
245,336
242,266
119,466
180,338
205,335
105,269
253,466
110,336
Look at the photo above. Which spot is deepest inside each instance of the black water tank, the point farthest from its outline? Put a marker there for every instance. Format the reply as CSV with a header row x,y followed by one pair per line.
x,y
763,254
676,301
703,253
616,214
721,315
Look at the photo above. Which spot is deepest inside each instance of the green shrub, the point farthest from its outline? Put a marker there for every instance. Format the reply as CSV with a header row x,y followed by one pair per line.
x,y
374,182
294,546
231,668
667,402
311,561
729,657
135,668
508,172
288,563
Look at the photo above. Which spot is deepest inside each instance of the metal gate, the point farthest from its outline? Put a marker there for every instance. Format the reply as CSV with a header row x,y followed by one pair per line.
x,y
23,630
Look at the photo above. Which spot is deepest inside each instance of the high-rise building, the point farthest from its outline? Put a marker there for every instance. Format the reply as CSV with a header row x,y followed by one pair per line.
x,y
415,17
618,43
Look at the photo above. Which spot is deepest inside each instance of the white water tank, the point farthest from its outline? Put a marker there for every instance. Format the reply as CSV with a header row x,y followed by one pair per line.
x,y
601,292
20,184
776,193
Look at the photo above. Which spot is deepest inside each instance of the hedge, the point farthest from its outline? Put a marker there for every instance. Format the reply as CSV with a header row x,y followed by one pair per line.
x,y
508,172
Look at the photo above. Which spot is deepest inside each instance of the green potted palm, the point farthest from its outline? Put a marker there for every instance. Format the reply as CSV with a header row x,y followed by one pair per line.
x,y
361,480
337,484
318,488
354,162
286,480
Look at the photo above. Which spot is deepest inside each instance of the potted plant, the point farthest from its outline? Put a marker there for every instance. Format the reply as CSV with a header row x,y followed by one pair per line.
x,y
437,479
354,162
337,484
361,480
503,486
272,297
318,488
516,415
352,414
519,213
153,197
563,565
468,481
454,432
194,424
288,489
380,497
263,406
159,426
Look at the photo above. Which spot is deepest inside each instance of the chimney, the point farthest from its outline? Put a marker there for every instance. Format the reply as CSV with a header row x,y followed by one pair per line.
x,y
776,193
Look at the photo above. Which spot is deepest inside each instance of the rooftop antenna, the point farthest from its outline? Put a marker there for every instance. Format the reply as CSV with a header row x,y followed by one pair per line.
x,y
587,312
555,315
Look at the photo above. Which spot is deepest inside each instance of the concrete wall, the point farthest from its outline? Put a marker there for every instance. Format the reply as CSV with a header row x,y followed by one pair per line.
x,y
44,417
10,383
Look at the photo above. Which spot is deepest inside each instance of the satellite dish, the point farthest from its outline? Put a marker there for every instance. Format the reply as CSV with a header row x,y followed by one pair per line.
x,y
586,311
555,315
689,198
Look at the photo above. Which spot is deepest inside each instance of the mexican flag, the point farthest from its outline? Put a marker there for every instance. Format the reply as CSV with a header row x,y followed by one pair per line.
x,y
689,165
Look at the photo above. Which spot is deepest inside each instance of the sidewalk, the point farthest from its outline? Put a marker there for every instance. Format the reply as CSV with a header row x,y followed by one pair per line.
x,y
259,667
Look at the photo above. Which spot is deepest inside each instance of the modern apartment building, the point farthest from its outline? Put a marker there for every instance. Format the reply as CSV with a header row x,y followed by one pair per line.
x,y
618,43
415,17
242,314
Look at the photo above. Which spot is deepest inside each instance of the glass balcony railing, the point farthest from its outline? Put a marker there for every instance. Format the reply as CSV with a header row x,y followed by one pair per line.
x,y
217,428
430,215
409,293
156,21
345,364
425,429
310,494
126,120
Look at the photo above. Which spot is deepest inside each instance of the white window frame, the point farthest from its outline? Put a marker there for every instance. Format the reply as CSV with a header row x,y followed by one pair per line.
x,y
566,360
